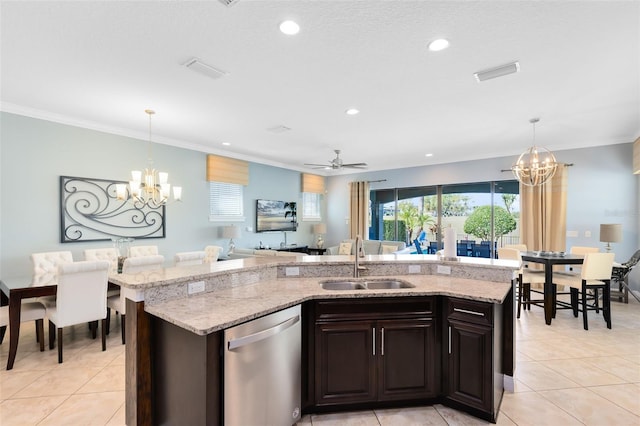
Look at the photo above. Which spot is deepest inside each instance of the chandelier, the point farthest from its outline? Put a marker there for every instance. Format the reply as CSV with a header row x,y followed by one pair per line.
x,y
536,165
149,187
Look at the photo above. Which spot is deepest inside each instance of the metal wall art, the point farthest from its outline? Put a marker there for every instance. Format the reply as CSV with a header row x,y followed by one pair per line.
x,y
90,211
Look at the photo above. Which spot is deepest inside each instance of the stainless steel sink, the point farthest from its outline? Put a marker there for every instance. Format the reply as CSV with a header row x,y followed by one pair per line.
x,y
365,285
388,284
343,285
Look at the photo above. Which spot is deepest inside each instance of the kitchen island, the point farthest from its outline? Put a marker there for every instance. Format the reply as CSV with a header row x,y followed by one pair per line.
x,y
457,306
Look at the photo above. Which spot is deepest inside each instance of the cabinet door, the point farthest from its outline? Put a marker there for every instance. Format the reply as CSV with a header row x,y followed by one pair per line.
x,y
345,362
407,359
470,366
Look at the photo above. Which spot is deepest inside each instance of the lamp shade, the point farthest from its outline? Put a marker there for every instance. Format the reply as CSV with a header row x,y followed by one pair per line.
x,y
230,232
320,228
610,232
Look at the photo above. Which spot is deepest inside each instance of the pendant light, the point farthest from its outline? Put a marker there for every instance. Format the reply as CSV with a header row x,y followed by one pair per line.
x,y
536,165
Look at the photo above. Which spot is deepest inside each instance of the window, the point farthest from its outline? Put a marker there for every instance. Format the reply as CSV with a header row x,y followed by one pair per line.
x,y
225,202
480,212
311,206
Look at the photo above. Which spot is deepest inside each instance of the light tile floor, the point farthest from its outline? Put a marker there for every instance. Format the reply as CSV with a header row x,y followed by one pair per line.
x,y
565,375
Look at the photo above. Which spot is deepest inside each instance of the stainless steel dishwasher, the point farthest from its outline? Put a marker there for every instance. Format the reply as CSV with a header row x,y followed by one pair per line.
x,y
262,378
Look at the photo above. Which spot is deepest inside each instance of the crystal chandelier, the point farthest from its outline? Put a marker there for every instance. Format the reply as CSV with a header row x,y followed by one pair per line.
x,y
149,187
536,165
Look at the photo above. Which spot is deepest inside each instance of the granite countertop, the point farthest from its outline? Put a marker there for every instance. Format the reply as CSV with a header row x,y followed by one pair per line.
x,y
213,311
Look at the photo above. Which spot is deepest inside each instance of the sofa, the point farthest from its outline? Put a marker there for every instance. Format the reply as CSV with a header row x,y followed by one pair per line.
x,y
369,247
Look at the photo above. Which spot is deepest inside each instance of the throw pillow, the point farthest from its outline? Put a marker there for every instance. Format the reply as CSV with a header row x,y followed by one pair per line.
x,y
345,248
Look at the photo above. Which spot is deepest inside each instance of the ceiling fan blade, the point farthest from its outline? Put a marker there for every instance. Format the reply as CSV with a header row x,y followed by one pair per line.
x,y
317,165
355,165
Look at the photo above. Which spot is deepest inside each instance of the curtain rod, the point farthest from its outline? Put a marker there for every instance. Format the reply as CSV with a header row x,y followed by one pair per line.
x,y
370,181
560,164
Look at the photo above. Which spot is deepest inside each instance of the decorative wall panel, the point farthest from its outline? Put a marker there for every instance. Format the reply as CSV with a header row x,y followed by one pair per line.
x,y
90,211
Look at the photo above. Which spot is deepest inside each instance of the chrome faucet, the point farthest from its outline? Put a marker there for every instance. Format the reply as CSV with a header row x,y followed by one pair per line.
x,y
359,253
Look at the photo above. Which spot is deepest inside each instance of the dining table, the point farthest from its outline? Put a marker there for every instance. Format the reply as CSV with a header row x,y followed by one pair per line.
x,y
550,259
13,291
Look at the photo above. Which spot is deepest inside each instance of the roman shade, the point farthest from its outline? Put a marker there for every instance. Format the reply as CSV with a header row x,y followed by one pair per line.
x,y
227,170
312,183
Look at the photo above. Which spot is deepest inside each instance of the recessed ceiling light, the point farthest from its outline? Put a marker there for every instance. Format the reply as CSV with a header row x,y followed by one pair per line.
x,y
352,111
428,155
289,28
226,143
439,44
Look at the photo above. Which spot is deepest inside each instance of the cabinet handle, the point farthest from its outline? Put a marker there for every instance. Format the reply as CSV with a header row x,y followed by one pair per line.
x,y
382,341
465,311
449,340
374,341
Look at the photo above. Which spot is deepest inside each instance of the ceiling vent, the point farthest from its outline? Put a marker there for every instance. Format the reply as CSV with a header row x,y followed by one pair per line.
x,y
197,65
279,129
500,71
229,3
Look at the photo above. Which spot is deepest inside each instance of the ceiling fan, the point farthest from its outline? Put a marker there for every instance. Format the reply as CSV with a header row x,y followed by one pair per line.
x,y
337,164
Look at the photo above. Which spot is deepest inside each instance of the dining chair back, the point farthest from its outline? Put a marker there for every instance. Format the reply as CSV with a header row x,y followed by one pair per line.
x,y
519,247
212,253
47,262
583,250
142,263
189,258
81,297
137,251
108,253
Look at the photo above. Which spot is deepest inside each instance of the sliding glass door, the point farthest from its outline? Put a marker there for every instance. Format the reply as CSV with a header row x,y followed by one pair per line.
x,y
485,215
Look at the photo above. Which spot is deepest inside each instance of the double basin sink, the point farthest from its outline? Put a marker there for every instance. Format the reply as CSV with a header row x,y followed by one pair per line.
x,y
385,284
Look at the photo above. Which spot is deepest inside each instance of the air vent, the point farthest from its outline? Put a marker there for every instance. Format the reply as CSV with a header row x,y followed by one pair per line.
x,y
229,3
279,129
197,65
500,71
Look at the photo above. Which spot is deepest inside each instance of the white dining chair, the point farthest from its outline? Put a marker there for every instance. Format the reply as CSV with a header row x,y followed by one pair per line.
x,y
131,265
594,275
111,255
29,311
108,253
45,264
137,251
189,258
525,279
212,253
81,297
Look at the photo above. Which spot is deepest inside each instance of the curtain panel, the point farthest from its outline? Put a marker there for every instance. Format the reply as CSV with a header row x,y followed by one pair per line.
x,y
359,210
544,213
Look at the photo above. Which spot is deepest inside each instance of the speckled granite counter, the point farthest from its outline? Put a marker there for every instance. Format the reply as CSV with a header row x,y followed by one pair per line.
x,y
240,290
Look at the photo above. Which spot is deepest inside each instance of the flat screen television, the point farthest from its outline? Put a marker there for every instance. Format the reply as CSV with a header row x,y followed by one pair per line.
x,y
273,215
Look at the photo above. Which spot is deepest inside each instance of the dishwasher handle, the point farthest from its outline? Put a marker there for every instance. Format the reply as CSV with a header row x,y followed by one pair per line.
x,y
264,334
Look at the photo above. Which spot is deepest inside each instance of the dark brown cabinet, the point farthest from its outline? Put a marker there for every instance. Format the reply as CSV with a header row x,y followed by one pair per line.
x,y
381,350
473,356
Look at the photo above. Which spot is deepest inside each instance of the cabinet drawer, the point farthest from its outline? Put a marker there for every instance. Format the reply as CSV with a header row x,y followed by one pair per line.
x,y
470,311
374,308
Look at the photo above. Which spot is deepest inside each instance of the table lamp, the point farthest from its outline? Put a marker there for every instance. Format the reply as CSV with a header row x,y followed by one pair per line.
x,y
231,232
610,233
320,229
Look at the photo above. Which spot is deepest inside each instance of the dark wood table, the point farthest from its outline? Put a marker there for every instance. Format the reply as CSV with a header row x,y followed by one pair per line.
x,y
549,260
316,251
13,290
